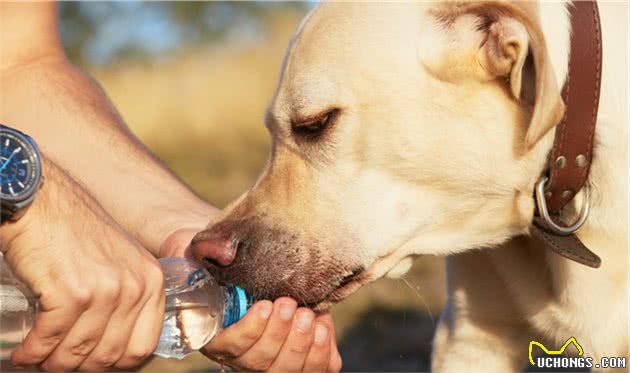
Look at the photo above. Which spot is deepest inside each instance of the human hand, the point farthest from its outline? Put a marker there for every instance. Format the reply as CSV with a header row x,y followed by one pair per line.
x,y
278,337
272,336
101,295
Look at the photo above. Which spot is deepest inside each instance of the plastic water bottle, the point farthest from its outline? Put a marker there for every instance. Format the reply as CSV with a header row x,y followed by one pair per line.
x,y
197,308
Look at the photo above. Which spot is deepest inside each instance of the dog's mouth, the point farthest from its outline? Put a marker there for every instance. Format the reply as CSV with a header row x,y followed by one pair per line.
x,y
359,277
345,287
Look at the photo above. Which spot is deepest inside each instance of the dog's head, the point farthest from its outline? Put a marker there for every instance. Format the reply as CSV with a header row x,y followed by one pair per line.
x,y
398,129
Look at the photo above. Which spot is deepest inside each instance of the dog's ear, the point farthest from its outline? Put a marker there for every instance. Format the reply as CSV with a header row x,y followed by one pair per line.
x,y
513,48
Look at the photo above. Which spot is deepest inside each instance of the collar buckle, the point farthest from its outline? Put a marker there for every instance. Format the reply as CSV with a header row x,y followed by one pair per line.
x,y
551,225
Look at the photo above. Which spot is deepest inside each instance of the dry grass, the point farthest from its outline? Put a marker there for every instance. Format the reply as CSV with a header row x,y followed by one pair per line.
x,y
202,114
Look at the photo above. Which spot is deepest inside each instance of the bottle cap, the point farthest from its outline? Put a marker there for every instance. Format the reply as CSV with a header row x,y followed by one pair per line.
x,y
237,304
242,302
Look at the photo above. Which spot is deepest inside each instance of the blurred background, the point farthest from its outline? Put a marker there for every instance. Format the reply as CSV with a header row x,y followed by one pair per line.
x,y
192,80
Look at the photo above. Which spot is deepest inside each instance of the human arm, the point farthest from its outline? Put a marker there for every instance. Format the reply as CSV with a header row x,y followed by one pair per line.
x,y
71,118
101,297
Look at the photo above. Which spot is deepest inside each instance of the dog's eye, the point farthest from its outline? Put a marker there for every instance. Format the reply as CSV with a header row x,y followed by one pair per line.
x,y
314,127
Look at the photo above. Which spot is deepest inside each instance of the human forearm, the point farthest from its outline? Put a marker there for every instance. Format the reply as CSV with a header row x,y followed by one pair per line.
x,y
76,125
28,31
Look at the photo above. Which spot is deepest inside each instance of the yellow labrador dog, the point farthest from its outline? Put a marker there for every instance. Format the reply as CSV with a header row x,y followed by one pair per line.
x,y
402,129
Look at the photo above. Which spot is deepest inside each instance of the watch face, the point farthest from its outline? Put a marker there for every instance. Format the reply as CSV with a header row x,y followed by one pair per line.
x,y
19,166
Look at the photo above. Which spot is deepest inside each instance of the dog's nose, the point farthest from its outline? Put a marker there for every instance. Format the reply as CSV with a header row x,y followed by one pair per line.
x,y
213,247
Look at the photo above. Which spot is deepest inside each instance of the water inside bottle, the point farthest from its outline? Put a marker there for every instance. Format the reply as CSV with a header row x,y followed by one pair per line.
x,y
17,311
194,306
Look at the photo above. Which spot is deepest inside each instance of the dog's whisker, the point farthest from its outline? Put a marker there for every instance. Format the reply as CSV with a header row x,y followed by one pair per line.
x,y
421,298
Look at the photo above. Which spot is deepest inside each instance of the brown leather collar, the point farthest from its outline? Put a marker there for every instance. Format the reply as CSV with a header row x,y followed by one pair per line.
x,y
572,152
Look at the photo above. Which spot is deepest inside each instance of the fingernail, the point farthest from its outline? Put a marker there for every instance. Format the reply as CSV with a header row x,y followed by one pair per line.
x,y
286,311
321,334
304,321
264,310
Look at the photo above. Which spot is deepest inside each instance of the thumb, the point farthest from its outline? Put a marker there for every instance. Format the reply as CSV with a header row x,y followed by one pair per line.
x,y
178,242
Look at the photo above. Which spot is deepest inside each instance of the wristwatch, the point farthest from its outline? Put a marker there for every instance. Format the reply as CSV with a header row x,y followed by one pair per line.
x,y
20,173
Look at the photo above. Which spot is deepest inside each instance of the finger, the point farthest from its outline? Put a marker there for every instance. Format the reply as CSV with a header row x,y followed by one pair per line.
x,y
295,349
262,353
238,338
118,331
178,243
319,356
146,332
335,363
81,339
50,328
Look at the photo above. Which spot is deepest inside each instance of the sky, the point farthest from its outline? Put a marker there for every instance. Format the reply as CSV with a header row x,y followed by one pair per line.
x,y
153,28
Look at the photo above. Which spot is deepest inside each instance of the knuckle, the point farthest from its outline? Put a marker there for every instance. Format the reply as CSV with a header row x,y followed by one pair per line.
x,y
50,340
49,299
156,277
110,288
299,348
264,354
83,348
230,351
249,337
263,360
81,296
35,349
134,357
278,334
106,359
134,288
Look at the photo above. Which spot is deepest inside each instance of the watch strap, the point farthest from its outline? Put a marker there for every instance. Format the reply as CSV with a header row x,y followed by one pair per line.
x,y
13,210
7,212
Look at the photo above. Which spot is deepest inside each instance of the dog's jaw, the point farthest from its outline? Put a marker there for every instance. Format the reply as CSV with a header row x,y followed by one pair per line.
x,y
344,290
